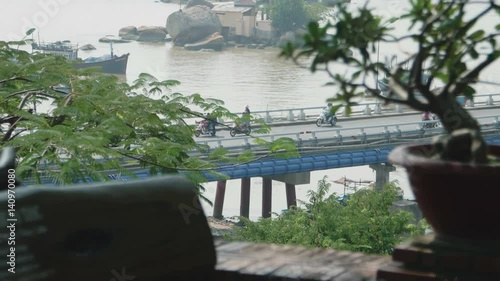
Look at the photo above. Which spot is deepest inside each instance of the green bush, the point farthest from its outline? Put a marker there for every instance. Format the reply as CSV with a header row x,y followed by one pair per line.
x,y
364,224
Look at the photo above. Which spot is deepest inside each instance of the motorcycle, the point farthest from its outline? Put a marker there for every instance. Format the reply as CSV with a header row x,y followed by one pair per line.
x,y
203,129
243,129
430,125
323,120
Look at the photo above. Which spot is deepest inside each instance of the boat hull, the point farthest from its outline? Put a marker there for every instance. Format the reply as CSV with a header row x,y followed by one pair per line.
x,y
116,65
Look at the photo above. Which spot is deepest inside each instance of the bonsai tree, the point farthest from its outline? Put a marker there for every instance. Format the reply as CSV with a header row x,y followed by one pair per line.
x,y
450,49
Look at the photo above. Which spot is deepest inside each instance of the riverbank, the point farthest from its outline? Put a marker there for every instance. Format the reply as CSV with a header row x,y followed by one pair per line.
x,y
222,227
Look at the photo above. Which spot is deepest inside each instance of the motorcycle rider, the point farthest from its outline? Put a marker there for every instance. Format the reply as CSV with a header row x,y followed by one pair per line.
x,y
211,120
426,117
246,117
327,112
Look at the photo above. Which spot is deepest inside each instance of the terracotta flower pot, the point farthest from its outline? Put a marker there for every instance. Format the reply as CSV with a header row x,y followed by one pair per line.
x,y
458,200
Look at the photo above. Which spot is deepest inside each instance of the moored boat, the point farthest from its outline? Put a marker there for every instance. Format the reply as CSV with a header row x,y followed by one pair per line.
x,y
108,63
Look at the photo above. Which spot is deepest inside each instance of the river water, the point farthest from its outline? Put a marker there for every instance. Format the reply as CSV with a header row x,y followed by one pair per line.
x,y
238,76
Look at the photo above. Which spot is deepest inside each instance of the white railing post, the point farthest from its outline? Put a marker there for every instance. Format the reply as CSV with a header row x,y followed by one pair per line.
x,y
246,143
398,131
387,133
314,138
339,137
362,135
378,109
268,118
399,109
290,117
219,142
470,103
302,115
489,100
367,110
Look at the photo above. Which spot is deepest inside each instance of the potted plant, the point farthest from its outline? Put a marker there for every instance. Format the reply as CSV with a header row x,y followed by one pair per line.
x,y
450,49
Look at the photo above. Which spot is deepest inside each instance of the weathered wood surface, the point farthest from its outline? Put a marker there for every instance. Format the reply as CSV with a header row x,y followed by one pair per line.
x,y
138,230
248,261
429,258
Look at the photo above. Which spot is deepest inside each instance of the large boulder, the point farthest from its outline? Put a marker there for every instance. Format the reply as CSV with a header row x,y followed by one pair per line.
x,y
192,3
127,30
192,25
151,33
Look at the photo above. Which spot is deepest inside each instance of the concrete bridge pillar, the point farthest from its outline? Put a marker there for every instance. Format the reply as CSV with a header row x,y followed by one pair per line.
x,y
245,198
291,198
382,173
219,199
267,193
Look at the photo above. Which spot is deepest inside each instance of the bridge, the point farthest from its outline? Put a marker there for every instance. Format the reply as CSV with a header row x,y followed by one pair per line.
x,y
323,149
359,140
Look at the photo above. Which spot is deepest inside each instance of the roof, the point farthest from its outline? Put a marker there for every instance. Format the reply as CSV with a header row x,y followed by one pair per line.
x,y
250,3
229,7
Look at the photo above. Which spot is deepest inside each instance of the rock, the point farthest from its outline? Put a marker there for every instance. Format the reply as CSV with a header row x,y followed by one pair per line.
x,y
192,25
128,30
87,47
109,39
143,28
215,42
131,37
152,33
192,3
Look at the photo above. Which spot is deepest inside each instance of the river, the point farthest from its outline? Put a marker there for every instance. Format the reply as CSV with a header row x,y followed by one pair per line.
x,y
238,76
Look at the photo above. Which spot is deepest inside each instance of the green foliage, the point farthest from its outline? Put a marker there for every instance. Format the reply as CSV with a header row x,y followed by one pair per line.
x,y
317,12
365,224
288,15
452,50
101,123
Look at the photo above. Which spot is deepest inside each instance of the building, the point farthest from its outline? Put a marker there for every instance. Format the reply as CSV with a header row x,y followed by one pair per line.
x,y
238,18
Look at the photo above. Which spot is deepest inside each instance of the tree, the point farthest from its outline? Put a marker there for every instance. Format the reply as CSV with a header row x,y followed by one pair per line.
x,y
450,49
99,123
288,15
365,224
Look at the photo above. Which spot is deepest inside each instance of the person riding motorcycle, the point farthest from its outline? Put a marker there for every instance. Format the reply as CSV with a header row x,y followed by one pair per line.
x,y
246,118
426,116
327,112
211,120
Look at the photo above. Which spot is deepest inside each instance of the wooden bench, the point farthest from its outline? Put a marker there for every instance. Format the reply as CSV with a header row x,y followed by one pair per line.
x,y
145,230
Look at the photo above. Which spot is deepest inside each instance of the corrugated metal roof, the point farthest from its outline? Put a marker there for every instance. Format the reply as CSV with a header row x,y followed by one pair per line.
x,y
229,7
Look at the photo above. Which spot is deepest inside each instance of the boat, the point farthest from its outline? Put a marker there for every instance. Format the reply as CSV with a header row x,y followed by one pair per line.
x,y
108,63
